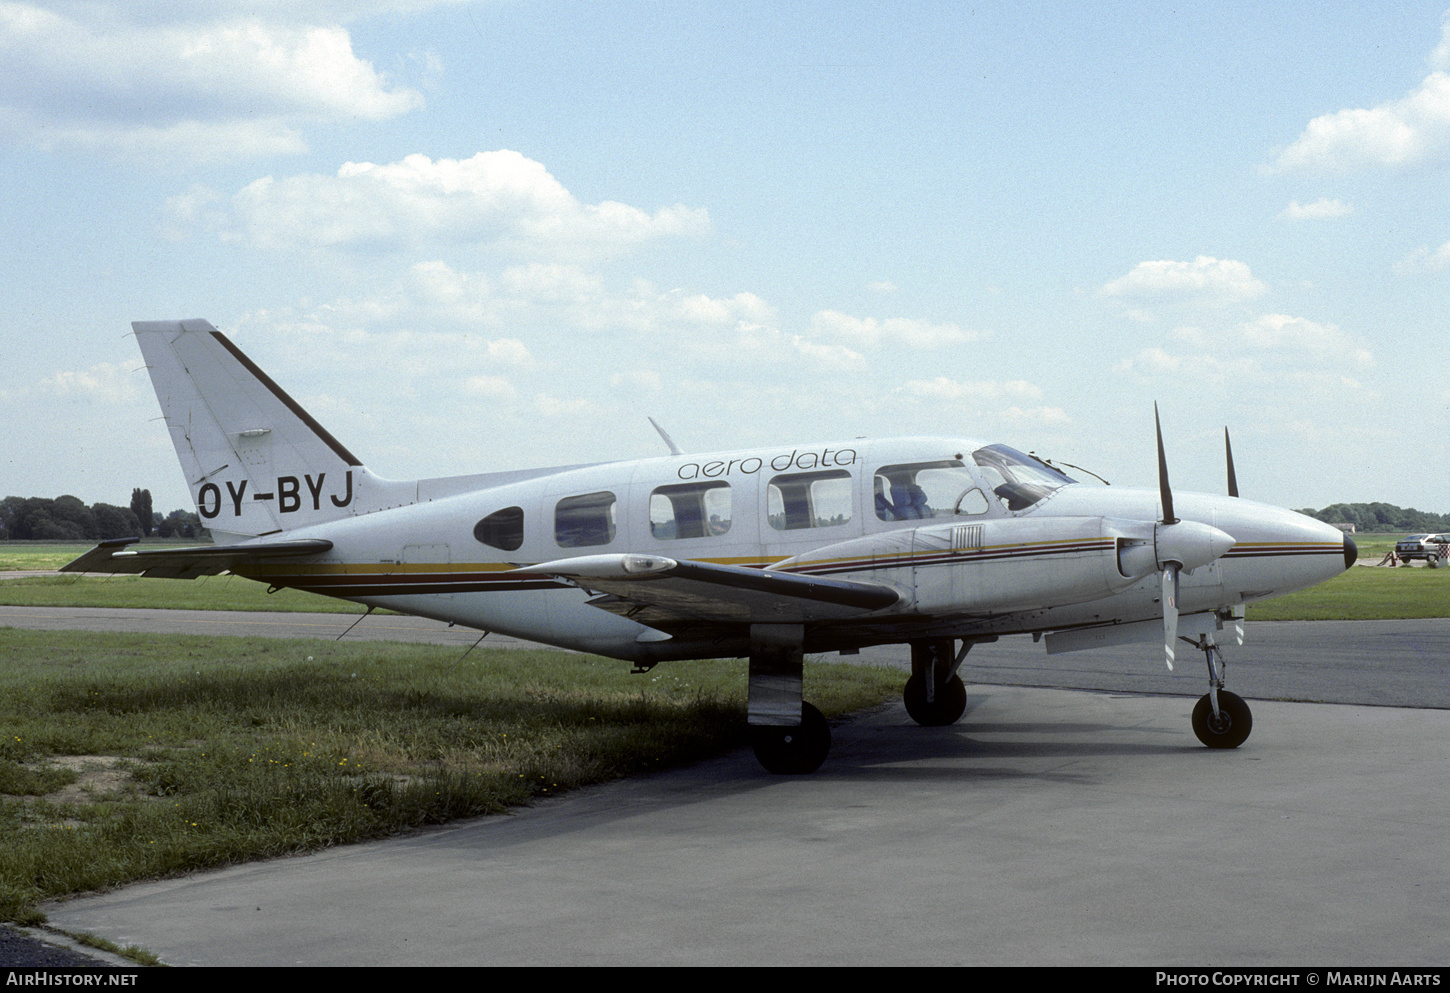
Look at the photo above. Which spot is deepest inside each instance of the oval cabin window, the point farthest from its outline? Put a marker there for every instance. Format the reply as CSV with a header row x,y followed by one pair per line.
x,y
502,529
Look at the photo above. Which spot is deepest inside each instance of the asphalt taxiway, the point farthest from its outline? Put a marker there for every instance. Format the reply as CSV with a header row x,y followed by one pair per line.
x,y
1048,827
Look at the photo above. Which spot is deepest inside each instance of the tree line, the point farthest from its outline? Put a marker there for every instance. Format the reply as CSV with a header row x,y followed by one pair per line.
x,y
67,518
1380,517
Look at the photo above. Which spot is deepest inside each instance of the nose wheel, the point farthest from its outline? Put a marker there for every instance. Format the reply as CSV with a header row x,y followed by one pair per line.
x,y
1229,726
1220,719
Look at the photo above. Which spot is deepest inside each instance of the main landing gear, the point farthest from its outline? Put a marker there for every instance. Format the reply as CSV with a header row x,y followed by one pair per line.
x,y
934,695
790,737
796,750
1220,719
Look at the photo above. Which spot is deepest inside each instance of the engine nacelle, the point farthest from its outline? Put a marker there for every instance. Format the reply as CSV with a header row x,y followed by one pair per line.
x,y
988,566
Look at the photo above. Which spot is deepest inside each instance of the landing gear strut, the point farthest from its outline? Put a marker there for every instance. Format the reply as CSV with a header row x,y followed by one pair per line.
x,y
934,695
1220,719
790,737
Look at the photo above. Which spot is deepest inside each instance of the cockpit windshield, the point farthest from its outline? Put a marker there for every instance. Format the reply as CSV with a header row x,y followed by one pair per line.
x,y
1018,480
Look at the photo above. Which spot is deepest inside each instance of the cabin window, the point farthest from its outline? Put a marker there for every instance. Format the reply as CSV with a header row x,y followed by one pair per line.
x,y
581,521
694,510
809,500
920,490
502,529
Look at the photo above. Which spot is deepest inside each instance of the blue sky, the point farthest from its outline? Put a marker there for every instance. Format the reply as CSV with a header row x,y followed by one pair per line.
x,y
500,233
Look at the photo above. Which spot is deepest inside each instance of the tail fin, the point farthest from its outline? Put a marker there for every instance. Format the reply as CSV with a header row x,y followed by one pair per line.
x,y
256,462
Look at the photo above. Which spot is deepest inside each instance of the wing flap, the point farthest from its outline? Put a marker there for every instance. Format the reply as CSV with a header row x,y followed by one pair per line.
x,y
668,590
188,563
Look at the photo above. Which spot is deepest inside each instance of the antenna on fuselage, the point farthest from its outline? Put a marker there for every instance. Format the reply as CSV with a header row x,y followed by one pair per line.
x,y
674,449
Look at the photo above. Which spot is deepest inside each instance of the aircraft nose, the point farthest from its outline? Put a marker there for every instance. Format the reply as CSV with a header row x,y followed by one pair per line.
x,y
1351,551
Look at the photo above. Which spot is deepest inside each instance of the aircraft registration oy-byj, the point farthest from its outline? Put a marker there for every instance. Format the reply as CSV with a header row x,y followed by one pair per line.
x,y
938,543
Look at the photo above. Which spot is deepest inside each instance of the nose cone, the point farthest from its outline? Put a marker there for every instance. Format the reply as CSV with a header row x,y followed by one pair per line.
x,y
1279,551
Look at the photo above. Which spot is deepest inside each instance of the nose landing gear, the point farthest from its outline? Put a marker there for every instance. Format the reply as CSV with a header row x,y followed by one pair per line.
x,y
1220,719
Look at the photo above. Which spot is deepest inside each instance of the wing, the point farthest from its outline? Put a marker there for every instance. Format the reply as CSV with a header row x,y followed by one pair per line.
x,y
187,563
665,593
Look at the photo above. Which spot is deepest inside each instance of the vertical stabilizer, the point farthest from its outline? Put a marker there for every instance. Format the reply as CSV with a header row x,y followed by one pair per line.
x,y
256,462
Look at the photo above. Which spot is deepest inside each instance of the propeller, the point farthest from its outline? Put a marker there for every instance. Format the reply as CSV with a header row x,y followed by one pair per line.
x,y
1180,546
1228,450
1169,575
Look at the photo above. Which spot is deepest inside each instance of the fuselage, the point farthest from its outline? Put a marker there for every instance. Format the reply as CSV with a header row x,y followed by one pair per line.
x,y
903,510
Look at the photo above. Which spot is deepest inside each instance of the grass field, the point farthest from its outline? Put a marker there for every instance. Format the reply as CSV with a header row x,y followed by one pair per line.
x,y
1364,595
208,593
129,757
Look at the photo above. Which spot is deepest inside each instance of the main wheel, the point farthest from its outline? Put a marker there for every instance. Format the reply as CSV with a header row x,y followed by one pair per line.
x,y
948,707
793,751
1232,726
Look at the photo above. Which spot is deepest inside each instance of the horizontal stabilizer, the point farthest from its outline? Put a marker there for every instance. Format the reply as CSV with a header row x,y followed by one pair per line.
x,y
188,563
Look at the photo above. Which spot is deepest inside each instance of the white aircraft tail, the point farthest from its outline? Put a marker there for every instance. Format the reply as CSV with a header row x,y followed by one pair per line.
x,y
256,462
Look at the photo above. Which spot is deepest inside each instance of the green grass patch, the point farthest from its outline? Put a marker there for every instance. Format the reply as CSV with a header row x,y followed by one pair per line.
x,y
131,757
1364,594
31,555
208,593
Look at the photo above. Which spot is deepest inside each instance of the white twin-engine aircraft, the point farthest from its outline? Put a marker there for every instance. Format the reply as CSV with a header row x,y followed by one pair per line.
x,y
771,553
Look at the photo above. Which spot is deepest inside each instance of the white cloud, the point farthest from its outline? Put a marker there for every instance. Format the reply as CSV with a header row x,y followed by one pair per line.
x,y
566,407
234,84
980,391
1318,210
1325,342
870,332
990,403
636,382
1413,130
1204,280
105,382
197,207
491,388
1272,350
497,200
831,356
1425,260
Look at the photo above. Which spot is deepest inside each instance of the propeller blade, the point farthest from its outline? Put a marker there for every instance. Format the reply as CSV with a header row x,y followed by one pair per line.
x,y
1170,611
1163,489
1233,481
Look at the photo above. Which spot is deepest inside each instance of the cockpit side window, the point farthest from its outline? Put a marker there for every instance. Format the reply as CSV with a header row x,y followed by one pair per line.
x,y
919,490
581,521
1024,480
809,500
694,510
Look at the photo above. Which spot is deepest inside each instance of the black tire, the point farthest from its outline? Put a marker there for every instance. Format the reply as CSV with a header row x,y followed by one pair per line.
x,y
1233,726
793,751
948,707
